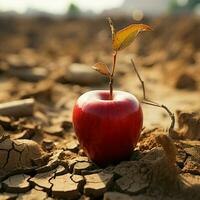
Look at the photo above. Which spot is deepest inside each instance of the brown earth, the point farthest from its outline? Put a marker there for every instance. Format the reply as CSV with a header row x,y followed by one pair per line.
x,y
44,67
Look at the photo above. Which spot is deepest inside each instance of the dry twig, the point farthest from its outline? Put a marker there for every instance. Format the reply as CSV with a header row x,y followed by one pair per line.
x,y
153,103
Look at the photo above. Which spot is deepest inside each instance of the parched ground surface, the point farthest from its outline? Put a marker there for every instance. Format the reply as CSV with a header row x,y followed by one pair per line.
x,y
45,64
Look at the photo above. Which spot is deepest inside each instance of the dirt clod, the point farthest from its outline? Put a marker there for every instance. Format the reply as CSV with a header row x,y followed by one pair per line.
x,y
187,82
189,125
97,184
67,186
17,184
116,196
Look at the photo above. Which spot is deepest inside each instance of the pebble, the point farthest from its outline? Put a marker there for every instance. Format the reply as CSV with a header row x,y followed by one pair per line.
x,y
83,75
187,82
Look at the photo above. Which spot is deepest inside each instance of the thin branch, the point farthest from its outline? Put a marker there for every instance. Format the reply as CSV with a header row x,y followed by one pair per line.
x,y
141,81
152,103
112,74
114,63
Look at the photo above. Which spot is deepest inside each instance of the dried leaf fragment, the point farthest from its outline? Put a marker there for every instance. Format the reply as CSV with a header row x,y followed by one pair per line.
x,y
126,36
102,68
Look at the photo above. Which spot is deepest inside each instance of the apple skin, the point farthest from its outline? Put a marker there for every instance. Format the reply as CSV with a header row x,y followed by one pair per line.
x,y
107,130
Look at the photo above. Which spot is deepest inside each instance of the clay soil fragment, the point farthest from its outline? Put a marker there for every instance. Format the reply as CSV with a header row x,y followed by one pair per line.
x,y
17,183
18,154
33,194
97,184
67,186
189,125
43,180
134,179
116,196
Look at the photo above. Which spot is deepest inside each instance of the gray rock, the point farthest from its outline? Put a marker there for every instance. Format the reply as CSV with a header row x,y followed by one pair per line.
x,y
83,75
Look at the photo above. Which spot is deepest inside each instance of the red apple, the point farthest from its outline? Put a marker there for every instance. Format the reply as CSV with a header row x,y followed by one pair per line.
x,y
107,130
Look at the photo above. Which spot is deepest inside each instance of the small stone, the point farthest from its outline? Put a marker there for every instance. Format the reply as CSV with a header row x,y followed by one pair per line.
x,y
83,75
186,81
34,194
43,179
17,183
30,75
116,196
97,184
67,186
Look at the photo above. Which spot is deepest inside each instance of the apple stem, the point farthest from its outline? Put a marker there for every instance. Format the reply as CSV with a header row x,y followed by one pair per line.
x,y
112,75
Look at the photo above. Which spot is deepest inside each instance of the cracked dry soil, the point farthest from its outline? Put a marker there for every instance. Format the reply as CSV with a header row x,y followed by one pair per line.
x,y
40,157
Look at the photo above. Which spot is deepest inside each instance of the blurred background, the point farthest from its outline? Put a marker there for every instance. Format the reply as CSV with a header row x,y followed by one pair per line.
x,y
60,41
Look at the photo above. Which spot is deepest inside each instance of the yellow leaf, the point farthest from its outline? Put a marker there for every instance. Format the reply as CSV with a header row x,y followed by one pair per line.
x,y
125,37
102,68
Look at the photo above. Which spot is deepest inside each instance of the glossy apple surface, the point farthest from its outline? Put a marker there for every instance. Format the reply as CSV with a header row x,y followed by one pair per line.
x,y
107,130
